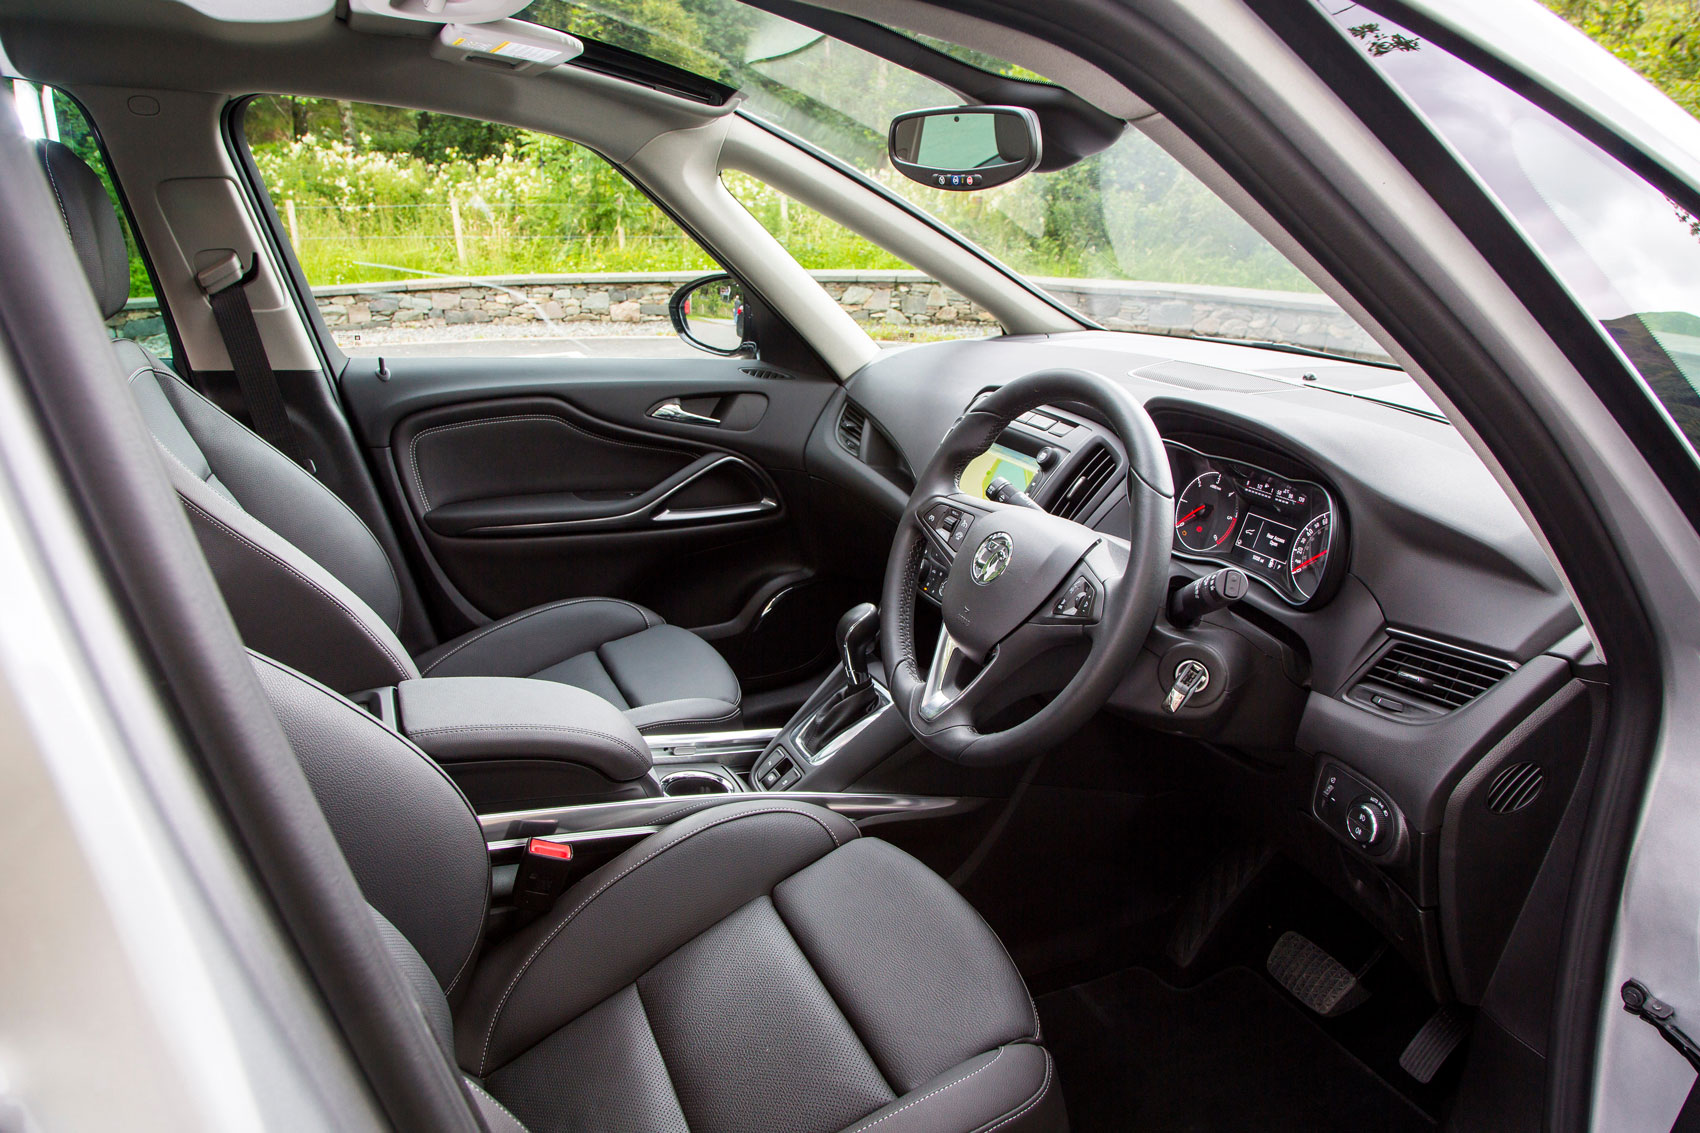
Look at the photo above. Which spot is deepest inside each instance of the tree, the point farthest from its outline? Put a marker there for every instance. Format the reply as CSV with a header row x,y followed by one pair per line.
x,y
1658,38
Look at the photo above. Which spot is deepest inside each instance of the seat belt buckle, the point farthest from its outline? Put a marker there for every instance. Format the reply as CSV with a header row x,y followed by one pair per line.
x,y
543,875
223,274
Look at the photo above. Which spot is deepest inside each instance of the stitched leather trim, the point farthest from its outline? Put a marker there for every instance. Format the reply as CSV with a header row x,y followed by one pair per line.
x,y
1039,1096
482,1092
242,540
501,1005
933,1094
624,745
480,634
674,721
340,502
368,719
413,446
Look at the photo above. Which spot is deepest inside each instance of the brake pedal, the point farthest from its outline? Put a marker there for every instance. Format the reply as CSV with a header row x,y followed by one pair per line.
x,y
1314,978
1434,1044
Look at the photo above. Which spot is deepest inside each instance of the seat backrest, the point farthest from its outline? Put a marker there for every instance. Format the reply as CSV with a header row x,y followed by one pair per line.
x,y
305,580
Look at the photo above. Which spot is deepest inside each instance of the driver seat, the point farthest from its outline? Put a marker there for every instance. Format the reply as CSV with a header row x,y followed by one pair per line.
x,y
755,966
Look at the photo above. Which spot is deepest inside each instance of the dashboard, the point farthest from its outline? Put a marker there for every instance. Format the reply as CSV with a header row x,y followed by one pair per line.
x,y
1283,533
1403,620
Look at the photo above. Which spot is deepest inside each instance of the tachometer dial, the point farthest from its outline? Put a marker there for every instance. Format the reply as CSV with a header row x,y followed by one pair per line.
x,y
1309,558
1207,514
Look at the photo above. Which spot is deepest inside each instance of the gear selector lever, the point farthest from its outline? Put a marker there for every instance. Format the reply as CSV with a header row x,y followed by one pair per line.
x,y
856,631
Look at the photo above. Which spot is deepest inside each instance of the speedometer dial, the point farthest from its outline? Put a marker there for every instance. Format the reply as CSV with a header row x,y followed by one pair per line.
x,y
1207,513
1309,558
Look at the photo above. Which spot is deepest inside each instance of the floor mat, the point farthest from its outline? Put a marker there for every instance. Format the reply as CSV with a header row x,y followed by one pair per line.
x,y
1135,1054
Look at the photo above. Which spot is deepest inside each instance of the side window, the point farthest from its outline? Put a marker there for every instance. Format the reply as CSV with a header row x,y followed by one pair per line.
x,y
892,301
44,112
423,233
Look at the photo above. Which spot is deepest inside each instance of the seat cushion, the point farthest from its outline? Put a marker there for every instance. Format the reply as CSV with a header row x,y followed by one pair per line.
x,y
754,967
665,678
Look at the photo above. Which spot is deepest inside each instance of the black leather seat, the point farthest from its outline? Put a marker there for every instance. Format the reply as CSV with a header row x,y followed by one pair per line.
x,y
754,966
309,584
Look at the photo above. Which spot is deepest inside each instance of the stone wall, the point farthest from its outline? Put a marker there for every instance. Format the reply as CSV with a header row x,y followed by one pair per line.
x,y
893,304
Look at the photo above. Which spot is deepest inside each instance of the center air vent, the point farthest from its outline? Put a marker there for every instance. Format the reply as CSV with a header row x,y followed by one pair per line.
x,y
1515,787
1443,676
1095,471
852,422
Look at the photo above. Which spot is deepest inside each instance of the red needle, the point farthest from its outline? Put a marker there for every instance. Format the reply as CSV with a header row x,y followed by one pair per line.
x,y
1226,531
1308,561
1190,514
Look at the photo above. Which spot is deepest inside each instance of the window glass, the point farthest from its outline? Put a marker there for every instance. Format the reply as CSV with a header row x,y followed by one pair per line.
x,y
1128,237
44,112
1629,254
423,233
892,301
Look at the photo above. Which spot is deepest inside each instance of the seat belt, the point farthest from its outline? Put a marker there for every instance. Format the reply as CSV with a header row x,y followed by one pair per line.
x,y
226,287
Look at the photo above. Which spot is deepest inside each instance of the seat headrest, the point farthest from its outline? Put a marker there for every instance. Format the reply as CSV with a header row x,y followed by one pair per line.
x,y
91,222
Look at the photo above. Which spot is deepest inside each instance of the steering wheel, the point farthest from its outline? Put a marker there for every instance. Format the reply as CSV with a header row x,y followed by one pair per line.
x,y
1024,592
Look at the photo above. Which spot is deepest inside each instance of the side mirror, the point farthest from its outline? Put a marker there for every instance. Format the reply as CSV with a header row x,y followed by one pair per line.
x,y
708,313
965,147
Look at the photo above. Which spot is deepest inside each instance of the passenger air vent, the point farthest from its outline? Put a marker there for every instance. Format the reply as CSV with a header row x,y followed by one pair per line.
x,y
852,422
1515,787
766,373
1440,675
1095,471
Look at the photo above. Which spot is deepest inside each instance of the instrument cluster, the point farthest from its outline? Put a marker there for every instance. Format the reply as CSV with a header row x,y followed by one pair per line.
x,y
1285,533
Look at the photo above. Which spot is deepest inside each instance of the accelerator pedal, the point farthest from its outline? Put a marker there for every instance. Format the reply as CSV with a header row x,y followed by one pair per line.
x,y
1314,978
1434,1044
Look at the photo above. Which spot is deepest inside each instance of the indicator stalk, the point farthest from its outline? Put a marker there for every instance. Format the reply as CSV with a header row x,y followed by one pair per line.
x,y
1212,592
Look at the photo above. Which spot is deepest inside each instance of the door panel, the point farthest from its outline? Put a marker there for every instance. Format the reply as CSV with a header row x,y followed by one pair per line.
x,y
527,480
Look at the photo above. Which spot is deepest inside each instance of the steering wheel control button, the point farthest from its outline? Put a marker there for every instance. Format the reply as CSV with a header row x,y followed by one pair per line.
x,y
1191,678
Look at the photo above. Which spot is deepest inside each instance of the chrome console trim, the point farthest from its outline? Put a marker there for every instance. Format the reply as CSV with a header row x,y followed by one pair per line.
x,y
830,748
645,816
702,747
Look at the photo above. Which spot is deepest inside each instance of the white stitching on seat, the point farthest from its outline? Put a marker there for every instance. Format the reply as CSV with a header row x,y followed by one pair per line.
x,y
167,375
934,1094
1044,1088
368,720
479,635
243,540
413,446
501,1005
493,1100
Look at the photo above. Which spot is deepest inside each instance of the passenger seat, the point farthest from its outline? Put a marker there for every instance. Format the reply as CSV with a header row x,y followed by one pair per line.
x,y
308,583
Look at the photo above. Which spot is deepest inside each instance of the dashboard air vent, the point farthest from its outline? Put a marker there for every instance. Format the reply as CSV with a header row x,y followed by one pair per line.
x,y
766,373
852,422
1515,787
1440,675
1095,471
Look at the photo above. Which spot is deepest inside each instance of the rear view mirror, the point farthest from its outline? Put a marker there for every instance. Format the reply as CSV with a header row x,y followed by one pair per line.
x,y
965,147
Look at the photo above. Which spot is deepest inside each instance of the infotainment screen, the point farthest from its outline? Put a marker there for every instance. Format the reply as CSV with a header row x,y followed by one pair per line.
x,y
1018,468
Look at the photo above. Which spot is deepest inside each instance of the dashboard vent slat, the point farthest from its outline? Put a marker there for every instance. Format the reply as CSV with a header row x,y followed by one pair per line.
x,y
1515,788
1436,674
766,373
1095,471
852,423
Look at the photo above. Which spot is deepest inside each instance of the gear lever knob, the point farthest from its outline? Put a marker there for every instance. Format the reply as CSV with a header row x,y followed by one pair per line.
x,y
856,631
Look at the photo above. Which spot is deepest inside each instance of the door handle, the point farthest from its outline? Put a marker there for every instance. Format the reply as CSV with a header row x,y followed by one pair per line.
x,y
671,410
